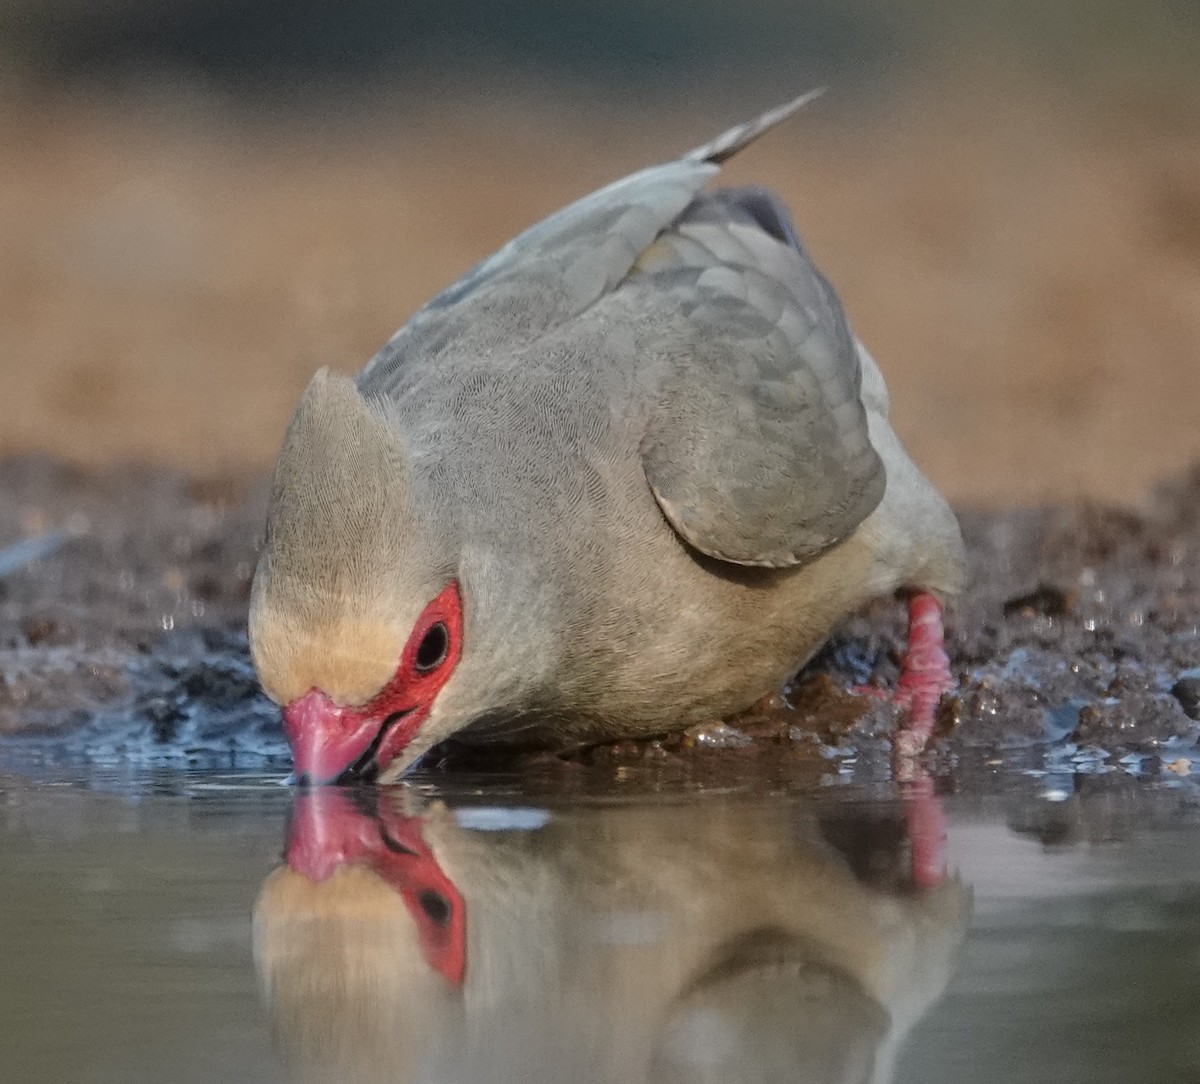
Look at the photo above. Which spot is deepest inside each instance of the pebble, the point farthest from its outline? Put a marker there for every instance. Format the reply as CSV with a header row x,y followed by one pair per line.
x,y
716,736
1187,691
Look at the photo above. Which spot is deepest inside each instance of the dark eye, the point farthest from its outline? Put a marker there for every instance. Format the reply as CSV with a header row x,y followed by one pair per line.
x,y
436,906
433,648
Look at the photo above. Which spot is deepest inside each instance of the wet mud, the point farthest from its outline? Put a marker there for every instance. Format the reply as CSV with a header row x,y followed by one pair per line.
x,y
1075,646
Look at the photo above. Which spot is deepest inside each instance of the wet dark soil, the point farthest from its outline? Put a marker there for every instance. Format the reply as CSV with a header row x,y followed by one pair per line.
x,y
128,640
1075,646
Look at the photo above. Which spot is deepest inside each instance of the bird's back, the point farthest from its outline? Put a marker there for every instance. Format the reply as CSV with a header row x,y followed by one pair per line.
x,y
647,414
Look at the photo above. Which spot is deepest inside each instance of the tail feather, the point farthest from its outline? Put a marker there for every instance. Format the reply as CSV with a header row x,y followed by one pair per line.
x,y
727,144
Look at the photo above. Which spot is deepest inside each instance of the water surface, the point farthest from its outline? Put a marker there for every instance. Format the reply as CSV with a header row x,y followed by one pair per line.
x,y
209,928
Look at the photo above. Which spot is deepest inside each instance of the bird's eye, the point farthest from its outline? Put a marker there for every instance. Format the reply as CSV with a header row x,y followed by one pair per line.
x,y
436,906
433,648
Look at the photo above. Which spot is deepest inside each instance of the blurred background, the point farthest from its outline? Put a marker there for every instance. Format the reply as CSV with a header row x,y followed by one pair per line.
x,y
202,201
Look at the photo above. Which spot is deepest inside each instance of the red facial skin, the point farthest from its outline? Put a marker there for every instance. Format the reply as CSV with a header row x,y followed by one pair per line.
x,y
328,830
328,738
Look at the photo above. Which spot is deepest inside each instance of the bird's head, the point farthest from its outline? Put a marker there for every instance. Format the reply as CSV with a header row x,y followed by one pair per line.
x,y
357,616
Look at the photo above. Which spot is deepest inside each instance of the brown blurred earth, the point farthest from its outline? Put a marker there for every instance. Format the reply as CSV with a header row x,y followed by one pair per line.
x,y
1023,260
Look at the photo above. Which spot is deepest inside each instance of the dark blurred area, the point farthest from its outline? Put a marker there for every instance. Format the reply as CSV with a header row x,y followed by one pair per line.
x,y
201,201
265,46
272,47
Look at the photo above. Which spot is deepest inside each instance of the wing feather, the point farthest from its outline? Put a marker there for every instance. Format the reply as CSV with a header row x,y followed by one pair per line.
x,y
757,450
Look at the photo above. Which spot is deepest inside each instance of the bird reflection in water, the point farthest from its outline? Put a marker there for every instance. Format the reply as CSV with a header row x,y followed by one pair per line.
x,y
692,941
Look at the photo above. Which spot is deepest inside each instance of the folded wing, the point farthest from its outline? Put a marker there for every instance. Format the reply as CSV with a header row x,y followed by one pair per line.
x,y
757,450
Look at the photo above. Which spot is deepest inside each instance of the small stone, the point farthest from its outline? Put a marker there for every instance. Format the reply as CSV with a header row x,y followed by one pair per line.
x,y
39,630
1187,692
715,736
1045,599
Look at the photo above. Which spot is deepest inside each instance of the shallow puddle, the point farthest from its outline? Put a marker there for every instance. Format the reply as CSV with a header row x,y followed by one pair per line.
x,y
214,928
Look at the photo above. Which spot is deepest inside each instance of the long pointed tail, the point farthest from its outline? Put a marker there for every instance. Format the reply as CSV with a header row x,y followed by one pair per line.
x,y
727,144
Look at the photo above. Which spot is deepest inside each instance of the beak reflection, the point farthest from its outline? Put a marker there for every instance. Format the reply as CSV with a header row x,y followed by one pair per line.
x,y
332,828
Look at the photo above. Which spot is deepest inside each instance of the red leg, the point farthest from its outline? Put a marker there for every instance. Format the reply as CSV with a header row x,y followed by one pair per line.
x,y
924,673
924,676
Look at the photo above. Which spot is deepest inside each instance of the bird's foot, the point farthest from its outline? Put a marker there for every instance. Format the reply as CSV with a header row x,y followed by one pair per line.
x,y
924,674
924,677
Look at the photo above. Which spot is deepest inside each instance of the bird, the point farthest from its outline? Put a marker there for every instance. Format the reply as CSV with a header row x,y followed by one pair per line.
x,y
624,476
711,941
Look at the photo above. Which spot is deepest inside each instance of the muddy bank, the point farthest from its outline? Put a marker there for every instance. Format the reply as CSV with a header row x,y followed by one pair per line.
x,y
1075,646
129,637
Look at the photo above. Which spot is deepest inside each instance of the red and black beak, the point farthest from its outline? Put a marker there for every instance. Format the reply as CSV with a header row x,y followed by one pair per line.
x,y
332,744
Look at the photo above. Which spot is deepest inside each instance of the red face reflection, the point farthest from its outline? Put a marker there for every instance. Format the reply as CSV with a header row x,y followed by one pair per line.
x,y
329,829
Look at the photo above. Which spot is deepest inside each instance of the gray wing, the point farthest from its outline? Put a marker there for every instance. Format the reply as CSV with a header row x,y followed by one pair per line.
x,y
757,450
560,267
